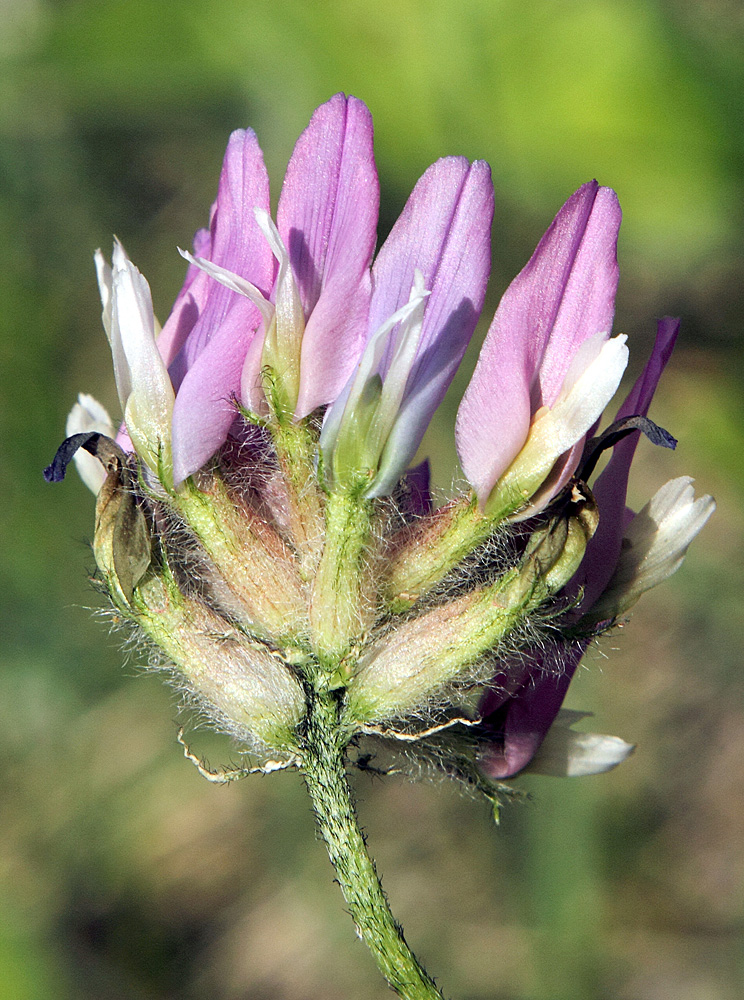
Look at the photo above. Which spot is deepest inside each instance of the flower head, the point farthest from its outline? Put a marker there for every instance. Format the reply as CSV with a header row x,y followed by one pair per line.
x,y
257,520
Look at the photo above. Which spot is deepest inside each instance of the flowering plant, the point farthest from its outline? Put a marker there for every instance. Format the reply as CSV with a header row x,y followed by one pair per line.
x,y
258,518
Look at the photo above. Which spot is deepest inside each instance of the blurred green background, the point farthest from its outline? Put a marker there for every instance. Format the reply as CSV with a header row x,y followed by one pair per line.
x,y
125,874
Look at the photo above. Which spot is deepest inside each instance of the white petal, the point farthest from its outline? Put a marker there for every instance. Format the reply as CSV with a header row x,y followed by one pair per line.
x,y
368,367
567,754
289,319
655,544
89,415
148,407
590,384
584,395
103,274
106,290
394,387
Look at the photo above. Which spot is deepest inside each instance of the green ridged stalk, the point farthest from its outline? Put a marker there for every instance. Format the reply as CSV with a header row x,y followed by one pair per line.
x,y
323,765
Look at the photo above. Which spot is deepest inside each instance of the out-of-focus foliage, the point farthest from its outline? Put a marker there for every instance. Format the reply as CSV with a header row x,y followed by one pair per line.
x,y
127,875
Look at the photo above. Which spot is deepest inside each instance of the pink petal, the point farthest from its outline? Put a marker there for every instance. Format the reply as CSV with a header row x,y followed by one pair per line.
x,y
205,408
445,232
563,296
237,242
327,218
189,303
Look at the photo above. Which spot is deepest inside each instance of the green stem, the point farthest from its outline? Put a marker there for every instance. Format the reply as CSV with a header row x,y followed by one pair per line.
x,y
323,764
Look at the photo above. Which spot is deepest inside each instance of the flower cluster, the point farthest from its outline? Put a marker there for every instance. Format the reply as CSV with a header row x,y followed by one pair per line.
x,y
258,516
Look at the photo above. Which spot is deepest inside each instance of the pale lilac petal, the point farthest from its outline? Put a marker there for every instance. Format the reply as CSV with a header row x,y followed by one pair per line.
x,y
327,218
610,490
557,430
237,243
562,298
583,247
205,408
524,717
444,232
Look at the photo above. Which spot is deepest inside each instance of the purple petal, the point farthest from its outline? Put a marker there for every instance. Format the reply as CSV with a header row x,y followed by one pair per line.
x,y
189,303
414,498
445,232
611,487
204,409
523,720
524,717
563,296
327,218
237,243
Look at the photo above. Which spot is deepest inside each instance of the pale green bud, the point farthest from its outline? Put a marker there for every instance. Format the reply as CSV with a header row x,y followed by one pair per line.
x,y
402,671
248,689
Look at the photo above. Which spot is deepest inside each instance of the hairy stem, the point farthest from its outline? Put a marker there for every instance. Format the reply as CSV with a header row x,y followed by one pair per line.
x,y
325,776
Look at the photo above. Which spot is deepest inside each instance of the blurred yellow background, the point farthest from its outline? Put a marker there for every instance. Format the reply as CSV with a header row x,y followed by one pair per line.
x,y
124,873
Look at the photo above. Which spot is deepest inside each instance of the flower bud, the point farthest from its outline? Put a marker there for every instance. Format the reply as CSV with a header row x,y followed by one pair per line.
x,y
251,693
401,672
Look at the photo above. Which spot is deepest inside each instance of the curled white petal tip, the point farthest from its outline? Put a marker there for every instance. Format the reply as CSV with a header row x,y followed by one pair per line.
x,y
590,384
105,285
234,282
89,415
268,227
655,544
568,754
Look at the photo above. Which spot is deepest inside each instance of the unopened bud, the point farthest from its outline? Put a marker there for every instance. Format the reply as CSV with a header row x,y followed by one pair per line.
x,y
249,690
248,553
401,672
